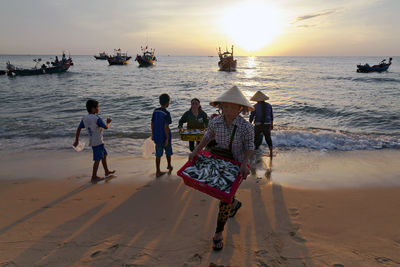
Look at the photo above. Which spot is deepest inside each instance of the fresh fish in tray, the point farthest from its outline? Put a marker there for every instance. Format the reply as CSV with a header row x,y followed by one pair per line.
x,y
193,131
214,172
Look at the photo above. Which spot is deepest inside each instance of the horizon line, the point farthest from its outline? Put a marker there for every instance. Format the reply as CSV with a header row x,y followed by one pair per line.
x,y
214,55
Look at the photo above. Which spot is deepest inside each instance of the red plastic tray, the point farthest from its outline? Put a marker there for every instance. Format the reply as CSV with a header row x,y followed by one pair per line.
x,y
221,195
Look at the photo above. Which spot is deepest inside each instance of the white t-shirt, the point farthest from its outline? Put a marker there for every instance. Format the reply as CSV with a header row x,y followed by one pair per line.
x,y
94,125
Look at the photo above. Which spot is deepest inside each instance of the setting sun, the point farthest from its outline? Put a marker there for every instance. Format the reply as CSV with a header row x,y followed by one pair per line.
x,y
251,25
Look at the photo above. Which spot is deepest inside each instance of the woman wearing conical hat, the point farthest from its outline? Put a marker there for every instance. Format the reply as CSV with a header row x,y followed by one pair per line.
x,y
263,117
235,139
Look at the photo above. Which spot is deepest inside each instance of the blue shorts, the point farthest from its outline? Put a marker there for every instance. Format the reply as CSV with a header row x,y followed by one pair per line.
x,y
99,152
160,149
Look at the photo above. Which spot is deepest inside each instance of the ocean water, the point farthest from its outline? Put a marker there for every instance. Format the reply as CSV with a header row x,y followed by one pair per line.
x,y
320,103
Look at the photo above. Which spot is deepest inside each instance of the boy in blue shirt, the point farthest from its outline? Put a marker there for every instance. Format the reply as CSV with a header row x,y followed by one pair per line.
x,y
161,134
94,124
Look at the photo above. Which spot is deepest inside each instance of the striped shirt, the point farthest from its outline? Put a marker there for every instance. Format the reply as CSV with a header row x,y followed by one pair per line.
x,y
243,139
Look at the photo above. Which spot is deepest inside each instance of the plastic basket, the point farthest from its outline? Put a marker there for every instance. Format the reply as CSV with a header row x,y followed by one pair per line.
x,y
214,192
191,137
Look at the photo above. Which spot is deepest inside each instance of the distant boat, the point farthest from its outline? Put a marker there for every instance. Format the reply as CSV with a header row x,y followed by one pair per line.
x,y
43,69
147,58
102,56
119,58
226,61
382,66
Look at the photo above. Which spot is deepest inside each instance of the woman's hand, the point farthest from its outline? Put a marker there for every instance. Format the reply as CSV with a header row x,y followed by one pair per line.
x,y
244,171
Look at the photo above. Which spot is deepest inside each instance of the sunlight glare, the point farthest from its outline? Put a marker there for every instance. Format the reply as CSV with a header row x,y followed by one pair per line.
x,y
251,25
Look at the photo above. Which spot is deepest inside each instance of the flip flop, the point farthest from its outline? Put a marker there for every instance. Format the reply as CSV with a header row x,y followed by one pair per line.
x,y
216,242
237,207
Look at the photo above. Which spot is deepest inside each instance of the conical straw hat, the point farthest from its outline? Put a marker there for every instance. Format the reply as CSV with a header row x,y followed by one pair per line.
x,y
235,96
259,96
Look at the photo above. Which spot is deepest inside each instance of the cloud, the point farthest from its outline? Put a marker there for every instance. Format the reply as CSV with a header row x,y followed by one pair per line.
x,y
319,14
307,25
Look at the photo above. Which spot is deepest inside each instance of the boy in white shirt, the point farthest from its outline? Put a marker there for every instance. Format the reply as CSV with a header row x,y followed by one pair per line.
x,y
94,124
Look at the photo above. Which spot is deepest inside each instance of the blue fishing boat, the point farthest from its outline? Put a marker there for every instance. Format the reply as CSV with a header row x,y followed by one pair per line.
x,y
382,66
43,69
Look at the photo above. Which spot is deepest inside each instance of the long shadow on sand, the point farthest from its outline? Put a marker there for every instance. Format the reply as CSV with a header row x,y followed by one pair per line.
x,y
45,207
173,228
141,230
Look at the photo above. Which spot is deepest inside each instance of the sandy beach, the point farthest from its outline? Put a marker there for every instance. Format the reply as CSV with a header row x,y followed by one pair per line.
x,y
300,209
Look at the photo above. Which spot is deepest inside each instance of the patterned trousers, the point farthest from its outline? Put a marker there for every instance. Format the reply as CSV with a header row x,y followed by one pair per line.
x,y
223,215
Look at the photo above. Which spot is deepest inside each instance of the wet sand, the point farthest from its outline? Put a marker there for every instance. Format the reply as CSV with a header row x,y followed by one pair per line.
x,y
300,209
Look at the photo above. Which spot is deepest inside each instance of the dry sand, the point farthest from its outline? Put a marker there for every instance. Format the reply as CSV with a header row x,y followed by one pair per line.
x,y
301,209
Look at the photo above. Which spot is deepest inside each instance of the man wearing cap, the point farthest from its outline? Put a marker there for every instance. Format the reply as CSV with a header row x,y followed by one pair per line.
x,y
263,117
235,139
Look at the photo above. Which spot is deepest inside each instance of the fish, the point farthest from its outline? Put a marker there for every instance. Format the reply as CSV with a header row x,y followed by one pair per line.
x,y
217,173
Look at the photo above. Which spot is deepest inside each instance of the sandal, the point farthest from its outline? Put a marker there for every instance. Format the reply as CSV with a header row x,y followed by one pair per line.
x,y
216,243
235,209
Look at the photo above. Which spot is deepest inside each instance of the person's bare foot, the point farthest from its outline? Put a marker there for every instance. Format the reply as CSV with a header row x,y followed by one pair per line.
x,y
159,174
109,173
96,179
170,168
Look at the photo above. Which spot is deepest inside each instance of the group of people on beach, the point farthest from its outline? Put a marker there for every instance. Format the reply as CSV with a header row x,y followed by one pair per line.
x,y
233,136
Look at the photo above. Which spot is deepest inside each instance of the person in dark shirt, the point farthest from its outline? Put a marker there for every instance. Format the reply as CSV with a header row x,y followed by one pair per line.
x,y
195,118
263,119
161,134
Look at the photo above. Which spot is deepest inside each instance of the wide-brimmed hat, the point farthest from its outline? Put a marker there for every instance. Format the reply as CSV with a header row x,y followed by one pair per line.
x,y
259,96
235,96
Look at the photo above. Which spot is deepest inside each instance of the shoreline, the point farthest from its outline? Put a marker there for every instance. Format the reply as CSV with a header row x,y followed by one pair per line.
x,y
298,169
54,217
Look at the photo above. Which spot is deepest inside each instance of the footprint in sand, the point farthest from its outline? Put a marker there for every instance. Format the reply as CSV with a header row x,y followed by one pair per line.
x,y
385,260
8,264
261,253
216,265
196,258
113,248
95,254
297,238
294,212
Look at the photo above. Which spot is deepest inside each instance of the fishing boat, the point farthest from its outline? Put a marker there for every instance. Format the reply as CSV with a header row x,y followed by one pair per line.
x,y
102,56
382,66
119,58
147,58
43,69
226,61
64,60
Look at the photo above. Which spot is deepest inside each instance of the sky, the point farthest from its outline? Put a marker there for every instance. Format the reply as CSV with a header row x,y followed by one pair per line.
x,y
198,28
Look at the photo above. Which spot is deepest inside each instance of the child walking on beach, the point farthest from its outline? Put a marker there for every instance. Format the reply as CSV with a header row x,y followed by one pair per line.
x,y
161,134
94,125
